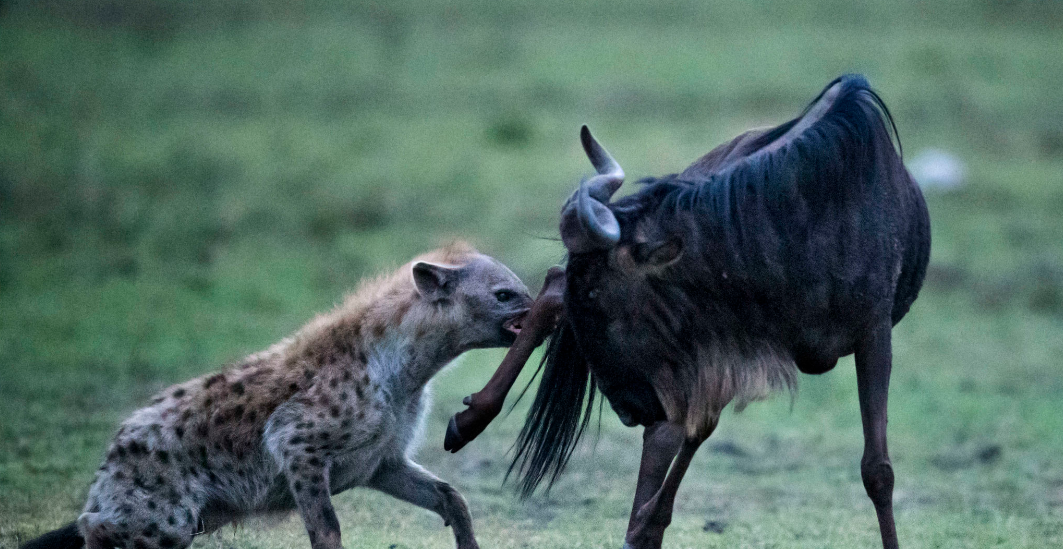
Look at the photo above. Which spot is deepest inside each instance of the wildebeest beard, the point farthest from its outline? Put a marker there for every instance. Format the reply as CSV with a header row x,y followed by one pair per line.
x,y
738,369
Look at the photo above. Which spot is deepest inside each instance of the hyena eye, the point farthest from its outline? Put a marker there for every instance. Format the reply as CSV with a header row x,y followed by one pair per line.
x,y
504,295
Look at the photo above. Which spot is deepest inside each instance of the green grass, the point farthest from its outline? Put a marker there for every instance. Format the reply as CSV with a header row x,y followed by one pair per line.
x,y
182,184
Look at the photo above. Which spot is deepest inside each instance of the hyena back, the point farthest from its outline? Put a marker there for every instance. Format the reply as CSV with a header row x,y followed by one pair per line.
x,y
339,404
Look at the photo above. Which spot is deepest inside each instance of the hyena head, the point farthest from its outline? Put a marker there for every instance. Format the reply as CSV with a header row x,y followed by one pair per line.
x,y
474,293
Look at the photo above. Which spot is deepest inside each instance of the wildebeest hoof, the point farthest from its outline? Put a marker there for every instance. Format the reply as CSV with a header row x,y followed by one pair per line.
x,y
453,441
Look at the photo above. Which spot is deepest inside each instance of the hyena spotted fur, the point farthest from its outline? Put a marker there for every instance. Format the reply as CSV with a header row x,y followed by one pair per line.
x,y
338,404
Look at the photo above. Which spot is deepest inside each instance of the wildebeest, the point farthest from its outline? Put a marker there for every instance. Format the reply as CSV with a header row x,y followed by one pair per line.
x,y
778,252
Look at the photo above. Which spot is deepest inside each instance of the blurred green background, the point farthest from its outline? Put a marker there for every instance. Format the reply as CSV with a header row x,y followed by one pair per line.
x,y
182,183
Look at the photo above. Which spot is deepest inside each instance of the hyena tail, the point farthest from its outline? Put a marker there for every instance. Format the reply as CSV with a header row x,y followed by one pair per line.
x,y
67,537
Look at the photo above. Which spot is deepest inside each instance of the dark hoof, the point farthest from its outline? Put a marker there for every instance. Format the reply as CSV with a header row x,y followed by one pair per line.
x,y
453,441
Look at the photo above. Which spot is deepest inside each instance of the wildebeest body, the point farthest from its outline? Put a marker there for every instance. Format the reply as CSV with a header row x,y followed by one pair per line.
x,y
780,251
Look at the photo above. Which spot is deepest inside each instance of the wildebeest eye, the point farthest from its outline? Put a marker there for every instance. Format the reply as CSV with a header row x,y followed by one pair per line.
x,y
504,295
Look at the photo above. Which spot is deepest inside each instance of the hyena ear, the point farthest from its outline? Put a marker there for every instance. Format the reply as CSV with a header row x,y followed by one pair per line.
x,y
434,282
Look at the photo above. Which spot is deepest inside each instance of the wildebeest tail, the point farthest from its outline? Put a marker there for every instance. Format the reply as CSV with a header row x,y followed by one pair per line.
x,y
67,537
557,417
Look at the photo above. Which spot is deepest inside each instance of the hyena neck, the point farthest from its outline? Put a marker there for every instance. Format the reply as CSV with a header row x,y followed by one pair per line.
x,y
407,354
402,364
400,346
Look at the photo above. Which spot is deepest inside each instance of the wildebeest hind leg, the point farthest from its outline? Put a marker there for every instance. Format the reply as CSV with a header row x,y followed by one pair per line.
x,y
646,530
873,364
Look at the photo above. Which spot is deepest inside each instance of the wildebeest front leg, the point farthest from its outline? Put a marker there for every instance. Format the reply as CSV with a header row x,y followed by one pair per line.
x,y
410,482
873,364
649,522
309,483
660,442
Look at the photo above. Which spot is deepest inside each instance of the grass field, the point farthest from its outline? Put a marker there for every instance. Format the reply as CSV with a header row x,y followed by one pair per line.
x,y
181,184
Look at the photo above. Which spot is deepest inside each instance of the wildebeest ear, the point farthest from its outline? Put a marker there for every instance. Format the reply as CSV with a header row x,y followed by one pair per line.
x,y
658,254
434,282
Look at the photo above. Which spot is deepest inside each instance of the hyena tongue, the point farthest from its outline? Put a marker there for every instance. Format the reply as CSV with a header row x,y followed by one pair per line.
x,y
514,325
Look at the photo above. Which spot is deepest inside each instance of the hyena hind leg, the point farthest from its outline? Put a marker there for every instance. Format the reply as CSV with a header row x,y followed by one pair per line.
x,y
149,534
410,482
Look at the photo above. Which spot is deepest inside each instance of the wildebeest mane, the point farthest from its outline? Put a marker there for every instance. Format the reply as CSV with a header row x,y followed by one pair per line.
x,y
757,210
767,206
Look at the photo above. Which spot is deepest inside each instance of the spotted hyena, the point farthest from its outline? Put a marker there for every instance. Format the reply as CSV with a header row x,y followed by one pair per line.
x,y
338,404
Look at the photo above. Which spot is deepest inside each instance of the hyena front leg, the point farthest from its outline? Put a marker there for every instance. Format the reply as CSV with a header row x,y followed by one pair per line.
x,y
308,480
299,447
410,482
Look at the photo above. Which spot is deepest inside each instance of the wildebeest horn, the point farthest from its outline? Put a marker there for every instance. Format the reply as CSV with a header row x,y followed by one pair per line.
x,y
610,174
586,223
601,230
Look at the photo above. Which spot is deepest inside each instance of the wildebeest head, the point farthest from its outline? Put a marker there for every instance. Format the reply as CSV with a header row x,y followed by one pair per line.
x,y
618,256
589,226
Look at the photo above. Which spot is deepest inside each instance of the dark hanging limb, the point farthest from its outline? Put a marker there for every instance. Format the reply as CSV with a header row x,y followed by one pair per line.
x,y
485,405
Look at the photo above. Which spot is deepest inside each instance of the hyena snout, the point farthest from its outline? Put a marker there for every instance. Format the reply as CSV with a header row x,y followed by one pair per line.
x,y
497,324
506,309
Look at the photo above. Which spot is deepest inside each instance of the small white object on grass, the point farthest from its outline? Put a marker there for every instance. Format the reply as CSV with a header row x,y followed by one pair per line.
x,y
935,169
